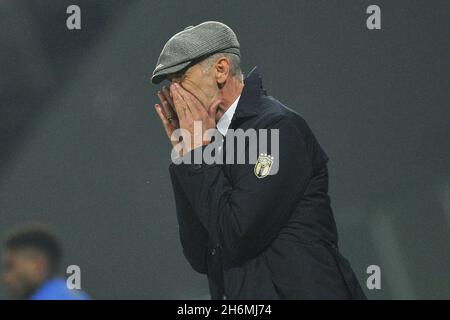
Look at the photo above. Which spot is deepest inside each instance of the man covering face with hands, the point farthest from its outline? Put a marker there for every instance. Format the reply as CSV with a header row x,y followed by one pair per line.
x,y
182,111
200,92
258,230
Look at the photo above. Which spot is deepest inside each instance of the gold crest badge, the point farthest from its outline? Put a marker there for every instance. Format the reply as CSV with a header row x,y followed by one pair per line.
x,y
263,165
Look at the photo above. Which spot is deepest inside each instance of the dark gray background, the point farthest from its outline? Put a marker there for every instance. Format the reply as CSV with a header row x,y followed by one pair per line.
x,y
82,149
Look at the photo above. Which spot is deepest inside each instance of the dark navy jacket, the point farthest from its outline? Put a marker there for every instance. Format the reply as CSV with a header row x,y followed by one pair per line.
x,y
264,238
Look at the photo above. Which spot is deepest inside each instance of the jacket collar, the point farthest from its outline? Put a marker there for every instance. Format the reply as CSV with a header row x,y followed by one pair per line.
x,y
249,102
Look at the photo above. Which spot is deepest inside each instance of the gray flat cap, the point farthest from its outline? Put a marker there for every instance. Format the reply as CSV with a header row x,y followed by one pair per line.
x,y
193,44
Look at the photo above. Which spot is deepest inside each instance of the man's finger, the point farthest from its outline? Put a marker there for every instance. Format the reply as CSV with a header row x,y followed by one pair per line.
x,y
161,115
167,98
171,108
167,109
164,120
193,104
166,94
180,105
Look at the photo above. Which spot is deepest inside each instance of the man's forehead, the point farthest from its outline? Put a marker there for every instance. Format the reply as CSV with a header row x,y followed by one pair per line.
x,y
195,66
22,252
174,76
179,74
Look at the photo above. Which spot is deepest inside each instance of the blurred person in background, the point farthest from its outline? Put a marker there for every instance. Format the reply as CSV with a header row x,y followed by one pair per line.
x,y
31,260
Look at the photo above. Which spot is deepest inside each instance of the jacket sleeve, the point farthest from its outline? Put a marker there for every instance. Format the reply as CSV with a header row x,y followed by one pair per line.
x,y
244,215
193,236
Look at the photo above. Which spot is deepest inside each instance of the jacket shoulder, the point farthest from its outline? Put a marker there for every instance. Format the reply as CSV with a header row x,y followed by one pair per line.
x,y
276,115
273,112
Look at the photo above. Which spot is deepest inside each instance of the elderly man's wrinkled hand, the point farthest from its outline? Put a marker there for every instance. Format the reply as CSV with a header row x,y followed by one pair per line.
x,y
190,110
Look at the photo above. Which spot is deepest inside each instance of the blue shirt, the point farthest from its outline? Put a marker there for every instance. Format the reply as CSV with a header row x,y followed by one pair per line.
x,y
56,289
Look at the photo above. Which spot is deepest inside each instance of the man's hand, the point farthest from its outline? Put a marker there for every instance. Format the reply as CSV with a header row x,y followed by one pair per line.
x,y
166,112
190,109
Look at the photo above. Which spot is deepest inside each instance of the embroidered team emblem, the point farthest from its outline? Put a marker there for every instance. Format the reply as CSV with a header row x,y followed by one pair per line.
x,y
263,165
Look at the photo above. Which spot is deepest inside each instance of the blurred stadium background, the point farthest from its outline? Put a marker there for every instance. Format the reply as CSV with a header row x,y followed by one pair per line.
x,y
82,149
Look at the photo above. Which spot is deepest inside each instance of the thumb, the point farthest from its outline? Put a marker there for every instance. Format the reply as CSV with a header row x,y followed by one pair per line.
x,y
213,108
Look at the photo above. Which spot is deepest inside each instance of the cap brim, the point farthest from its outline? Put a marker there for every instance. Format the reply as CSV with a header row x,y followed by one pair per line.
x,y
161,75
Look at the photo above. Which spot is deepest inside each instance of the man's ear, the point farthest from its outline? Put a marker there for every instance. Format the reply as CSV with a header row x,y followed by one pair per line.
x,y
222,71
